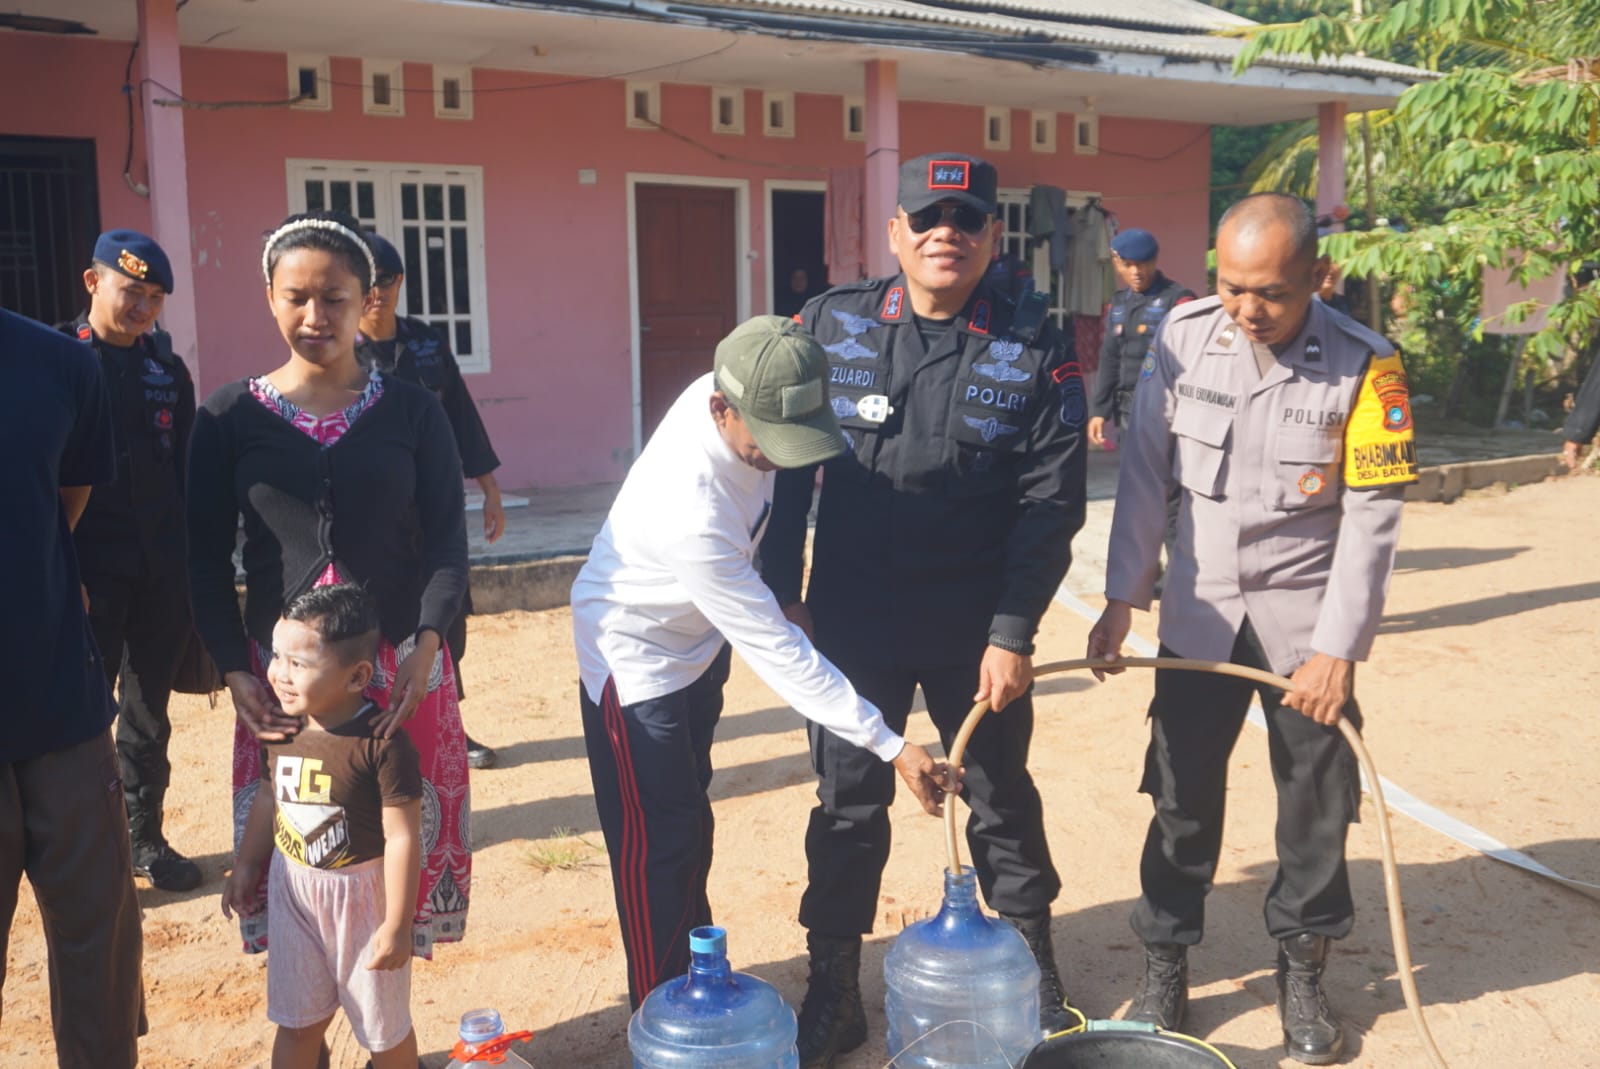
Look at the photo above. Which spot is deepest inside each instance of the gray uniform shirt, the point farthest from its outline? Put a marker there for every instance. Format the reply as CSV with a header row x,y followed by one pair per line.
x,y
1291,486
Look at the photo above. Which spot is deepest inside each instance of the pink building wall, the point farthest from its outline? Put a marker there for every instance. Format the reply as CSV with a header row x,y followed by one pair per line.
x,y
557,400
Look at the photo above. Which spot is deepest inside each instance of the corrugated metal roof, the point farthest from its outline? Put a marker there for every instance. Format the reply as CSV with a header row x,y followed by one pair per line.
x,y
1157,14
1044,22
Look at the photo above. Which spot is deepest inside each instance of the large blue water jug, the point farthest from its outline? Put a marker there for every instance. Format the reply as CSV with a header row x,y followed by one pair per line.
x,y
713,1017
963,988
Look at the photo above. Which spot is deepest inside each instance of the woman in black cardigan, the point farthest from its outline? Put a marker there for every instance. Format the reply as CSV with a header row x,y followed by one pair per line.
x,y
340,474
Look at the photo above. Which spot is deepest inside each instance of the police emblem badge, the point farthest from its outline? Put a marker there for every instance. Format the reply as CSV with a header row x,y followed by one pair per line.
x,y
1311,483
130,264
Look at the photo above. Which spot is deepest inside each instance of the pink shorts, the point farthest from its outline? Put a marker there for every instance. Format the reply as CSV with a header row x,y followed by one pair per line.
x,y
321,922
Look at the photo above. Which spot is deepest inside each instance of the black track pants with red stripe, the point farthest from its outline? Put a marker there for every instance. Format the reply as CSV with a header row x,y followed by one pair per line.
x,y
650,763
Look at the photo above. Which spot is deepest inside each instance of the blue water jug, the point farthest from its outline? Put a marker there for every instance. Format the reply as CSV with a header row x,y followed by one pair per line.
x,y
963,988
713,1017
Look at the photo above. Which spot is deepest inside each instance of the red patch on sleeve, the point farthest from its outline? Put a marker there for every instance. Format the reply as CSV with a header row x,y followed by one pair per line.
x,y
1070,370
1182,300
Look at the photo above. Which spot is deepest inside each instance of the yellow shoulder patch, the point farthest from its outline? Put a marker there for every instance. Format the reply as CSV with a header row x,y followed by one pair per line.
x,y
1378,445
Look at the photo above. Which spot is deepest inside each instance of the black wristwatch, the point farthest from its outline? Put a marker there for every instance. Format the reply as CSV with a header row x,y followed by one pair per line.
x,y
1011,645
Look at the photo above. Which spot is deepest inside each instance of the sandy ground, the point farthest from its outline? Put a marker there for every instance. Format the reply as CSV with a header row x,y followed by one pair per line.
x,y
1480,698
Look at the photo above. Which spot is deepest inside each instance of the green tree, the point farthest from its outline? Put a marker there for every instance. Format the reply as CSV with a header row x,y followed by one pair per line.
x,y
1500,149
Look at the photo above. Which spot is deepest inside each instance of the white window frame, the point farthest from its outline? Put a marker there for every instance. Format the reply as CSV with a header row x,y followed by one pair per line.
x,y
387,179
735,101
785,100
463,79
1047,143
1086,134
652,119
993,114
1013,209
859,105
394,70
323,101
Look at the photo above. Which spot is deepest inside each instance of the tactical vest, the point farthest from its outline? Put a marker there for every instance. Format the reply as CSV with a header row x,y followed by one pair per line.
x,y
151,390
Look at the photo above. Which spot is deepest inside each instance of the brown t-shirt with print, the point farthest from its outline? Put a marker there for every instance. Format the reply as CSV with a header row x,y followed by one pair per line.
x,y
331,786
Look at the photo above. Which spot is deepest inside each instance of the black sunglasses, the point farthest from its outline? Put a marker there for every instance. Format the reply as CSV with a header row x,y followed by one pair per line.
x,y
965,217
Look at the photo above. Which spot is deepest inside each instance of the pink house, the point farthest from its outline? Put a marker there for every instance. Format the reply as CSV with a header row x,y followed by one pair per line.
x,y
590,192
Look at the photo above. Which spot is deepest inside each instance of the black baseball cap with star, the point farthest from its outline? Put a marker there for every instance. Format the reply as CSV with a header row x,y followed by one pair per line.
x,y
948,176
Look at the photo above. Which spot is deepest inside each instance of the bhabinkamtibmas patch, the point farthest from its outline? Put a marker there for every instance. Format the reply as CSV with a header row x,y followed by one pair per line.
x,y
1378,445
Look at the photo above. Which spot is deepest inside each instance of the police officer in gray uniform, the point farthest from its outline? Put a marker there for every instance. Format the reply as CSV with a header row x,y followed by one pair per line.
x,y
1288,429
941,535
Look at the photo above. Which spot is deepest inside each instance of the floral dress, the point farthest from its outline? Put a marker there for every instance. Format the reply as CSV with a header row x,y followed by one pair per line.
x,y
435,730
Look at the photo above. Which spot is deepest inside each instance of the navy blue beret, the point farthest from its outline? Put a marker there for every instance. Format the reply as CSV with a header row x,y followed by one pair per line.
x,y
385,257
1135,245
136,255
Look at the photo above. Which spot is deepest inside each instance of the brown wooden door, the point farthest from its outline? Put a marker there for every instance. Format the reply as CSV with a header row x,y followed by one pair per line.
x,y
688,288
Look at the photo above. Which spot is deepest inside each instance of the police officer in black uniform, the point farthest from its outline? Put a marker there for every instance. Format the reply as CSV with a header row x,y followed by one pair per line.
x,y
940,538
1137,309
409,348
130,542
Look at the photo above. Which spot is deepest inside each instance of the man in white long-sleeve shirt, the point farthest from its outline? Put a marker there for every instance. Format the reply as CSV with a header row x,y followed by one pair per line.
x,y
670,585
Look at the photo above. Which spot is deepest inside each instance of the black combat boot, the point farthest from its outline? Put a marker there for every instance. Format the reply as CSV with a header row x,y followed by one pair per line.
x,y
832,1019
153,858
1055,1011
479,755
1163,995
1311,1033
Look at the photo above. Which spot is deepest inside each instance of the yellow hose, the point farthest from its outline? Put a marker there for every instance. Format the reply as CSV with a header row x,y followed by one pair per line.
x,y
1391,879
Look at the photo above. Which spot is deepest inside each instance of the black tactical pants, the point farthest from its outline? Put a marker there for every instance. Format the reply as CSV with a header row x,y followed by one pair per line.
x,y
847,841
1195,720
141,626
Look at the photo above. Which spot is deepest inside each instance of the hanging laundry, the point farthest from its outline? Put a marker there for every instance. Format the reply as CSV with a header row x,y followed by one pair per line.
x,y
1048,220
1089,278
842,246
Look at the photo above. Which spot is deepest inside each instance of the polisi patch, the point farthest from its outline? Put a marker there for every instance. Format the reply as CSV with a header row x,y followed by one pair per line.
x,y
894,304
1311,483
131,264
1147,368
949,174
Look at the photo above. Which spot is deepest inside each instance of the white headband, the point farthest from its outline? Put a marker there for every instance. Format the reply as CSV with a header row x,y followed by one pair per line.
x,y
315,224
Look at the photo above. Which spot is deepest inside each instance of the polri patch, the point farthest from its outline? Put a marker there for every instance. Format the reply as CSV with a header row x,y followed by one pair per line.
x,y
1311,483
1147,368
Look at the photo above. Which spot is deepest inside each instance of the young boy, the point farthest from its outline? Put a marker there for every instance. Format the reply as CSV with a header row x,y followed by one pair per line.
x,y
344,807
